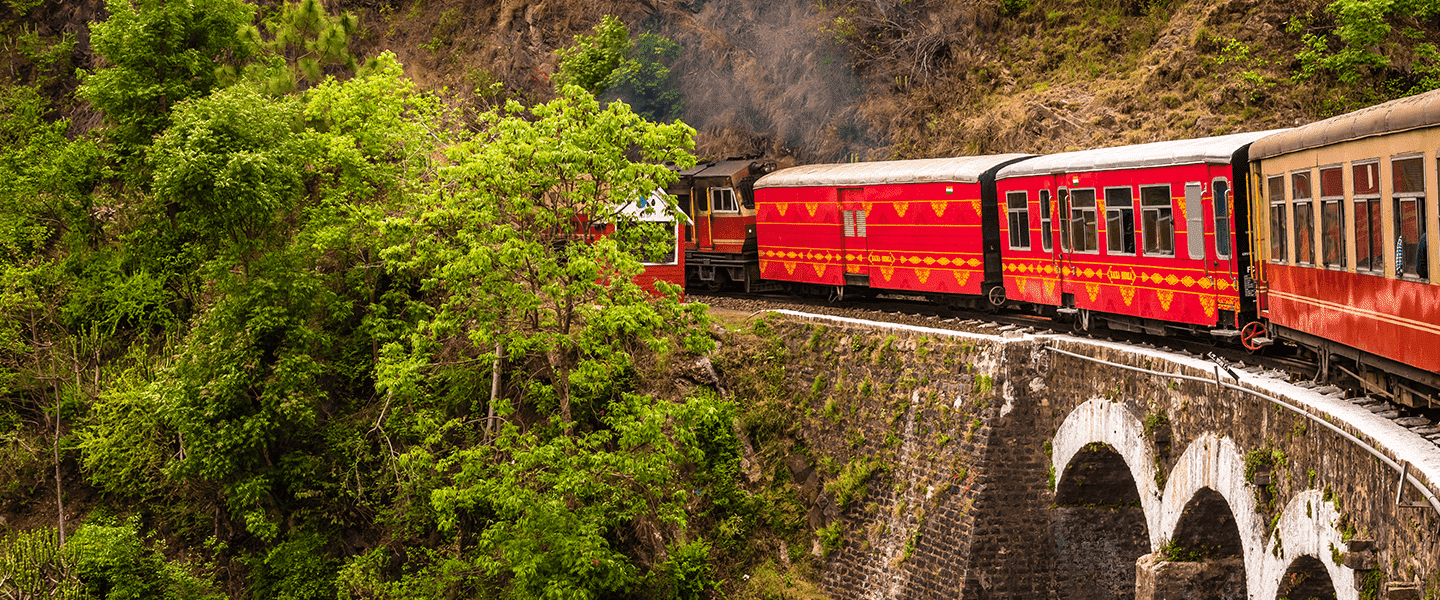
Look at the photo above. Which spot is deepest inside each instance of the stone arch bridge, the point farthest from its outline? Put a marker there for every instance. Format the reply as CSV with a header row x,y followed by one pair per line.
x,y
1023,465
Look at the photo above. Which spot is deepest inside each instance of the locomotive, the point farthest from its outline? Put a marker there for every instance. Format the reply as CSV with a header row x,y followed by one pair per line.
x,y
1320,237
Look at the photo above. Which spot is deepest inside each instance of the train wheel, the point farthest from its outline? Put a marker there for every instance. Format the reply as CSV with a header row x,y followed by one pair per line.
x,y
1252,330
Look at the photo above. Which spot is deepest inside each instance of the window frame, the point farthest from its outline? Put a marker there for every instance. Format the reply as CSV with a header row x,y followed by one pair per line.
x,y
1078,219
1307,205
1046,222
1168,210
1422,220
1017,219
1278,208
715,196
1375,232
1122,211
1222,232
1338,203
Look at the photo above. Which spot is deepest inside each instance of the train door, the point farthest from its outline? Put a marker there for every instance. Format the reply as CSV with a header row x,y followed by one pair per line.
x,y
1050,243
854,240
1195,241
1064,260
1223,263
687,205
704,238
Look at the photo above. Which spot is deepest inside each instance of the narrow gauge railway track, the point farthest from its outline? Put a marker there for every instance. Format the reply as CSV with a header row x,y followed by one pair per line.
x,y
923,313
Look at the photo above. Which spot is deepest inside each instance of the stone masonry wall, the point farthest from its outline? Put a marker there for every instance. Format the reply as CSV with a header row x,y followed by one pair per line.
x,y
961,504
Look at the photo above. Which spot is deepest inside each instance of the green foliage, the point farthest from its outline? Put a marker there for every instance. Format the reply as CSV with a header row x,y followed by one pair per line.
x,y
850,485
831,538
296,47
593,59
159,53
113,563
1363,32
645,81
34,564
299,568
689,569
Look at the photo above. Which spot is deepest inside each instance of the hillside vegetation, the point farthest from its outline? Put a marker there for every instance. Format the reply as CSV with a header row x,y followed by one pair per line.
x,y
304,301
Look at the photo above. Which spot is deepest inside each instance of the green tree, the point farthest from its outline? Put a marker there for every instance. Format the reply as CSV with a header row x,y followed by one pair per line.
x,y
298,46
591,61
645,81
159,53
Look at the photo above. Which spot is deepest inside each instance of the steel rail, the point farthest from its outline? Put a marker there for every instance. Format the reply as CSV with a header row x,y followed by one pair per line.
x,y
1404,471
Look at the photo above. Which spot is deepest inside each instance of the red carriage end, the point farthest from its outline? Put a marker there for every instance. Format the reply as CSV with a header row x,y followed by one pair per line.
x,y
905,226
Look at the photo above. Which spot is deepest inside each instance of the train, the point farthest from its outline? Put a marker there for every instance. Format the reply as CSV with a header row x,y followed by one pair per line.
x,y
1319,238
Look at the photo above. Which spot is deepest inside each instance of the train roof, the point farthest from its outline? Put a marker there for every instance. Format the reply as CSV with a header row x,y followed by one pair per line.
x,y
962,169
1211,150
1413,112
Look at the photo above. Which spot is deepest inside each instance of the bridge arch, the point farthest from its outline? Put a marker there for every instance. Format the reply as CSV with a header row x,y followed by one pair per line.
x,y
1308,528
1111,423
1212,464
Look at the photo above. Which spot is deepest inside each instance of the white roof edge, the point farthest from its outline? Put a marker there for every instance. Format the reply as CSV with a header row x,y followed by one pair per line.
x,y
962,169
1210,150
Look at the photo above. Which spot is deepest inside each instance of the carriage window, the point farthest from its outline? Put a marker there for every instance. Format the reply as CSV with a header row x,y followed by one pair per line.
x,y
1369,255
1304,218
1332,217
1119,221
1275,194
1408,185
1064,219
653,242
1018,210
1157,220
723,199
1194,220
1045,231
1221,192
1082,220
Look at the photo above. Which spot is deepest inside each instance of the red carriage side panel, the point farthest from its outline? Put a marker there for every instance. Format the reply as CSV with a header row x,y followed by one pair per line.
x,y
799,233
1393,318
925,237
1133,230
911,226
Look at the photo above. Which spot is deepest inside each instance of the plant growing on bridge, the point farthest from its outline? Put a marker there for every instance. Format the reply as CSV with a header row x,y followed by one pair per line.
x,y
852,483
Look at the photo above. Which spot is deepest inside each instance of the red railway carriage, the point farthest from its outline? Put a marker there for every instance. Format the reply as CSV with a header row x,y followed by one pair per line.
x,y
1346,236
1139,238
720,239
914,226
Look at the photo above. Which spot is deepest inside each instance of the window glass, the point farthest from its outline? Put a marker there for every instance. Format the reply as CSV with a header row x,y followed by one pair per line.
x,y
1082,220
1157,220
1221,190
1332,217
1045,229
1367,179
1018,221
1407,176
1275,194
1119,221
1300,186
1411,252
1194,220
723,199
1369,255
1332,182
1369,243
1304,219
1064,219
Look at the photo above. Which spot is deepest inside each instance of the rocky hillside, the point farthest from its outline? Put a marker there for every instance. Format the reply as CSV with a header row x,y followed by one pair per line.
x,y
869,79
